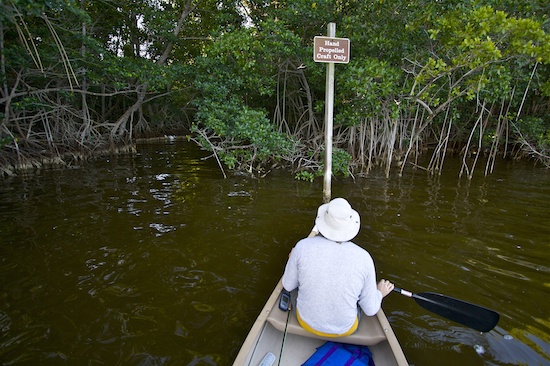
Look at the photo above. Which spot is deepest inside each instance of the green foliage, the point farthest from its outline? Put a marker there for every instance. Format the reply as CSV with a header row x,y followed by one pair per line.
x,y
385,29
305,176
233,70
483,34
365,85
341,161
222,113
234,79
478,49
5,141
248,129
535,131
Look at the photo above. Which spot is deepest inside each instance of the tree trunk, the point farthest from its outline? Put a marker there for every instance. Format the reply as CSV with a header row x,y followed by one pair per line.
x,y
119,128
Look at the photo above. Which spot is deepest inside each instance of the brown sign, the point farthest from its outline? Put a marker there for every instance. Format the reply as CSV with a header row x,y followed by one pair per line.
x,y
326,49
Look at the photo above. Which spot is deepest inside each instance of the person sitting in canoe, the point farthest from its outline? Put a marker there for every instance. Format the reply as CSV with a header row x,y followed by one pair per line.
x,y
334,276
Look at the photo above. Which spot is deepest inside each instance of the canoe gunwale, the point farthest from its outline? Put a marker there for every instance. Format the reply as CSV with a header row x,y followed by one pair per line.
x,y
258,325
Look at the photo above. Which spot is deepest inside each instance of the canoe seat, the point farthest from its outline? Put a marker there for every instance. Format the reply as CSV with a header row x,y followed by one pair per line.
x,y
369,332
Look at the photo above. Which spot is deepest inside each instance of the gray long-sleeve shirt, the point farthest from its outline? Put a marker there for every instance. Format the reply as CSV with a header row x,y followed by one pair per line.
x,y
332,278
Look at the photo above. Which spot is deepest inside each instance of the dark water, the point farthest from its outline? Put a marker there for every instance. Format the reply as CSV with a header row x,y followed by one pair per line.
x,y
155,259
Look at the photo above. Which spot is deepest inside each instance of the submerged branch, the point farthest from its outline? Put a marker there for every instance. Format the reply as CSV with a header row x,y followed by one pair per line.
x,y
213,149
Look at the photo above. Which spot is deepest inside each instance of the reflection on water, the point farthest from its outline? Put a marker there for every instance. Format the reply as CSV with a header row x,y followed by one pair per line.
x,y
155,259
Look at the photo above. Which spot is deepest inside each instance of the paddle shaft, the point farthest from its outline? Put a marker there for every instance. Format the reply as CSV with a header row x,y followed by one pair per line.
x,y
284,337
465,313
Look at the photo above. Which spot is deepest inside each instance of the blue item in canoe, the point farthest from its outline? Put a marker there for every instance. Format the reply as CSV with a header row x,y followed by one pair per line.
x,y
340,354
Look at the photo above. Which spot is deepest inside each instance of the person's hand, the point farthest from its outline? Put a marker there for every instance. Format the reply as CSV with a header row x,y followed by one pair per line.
x,y
385,287
314,232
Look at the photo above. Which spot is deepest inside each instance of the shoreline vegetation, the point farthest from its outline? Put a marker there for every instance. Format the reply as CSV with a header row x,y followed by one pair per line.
x,y
424,80
34,164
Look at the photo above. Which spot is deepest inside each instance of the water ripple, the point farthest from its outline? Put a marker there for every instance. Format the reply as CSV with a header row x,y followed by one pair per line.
x,y
524,263
497,270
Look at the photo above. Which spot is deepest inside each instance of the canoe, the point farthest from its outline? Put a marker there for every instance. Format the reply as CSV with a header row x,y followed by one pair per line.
x,y
266,336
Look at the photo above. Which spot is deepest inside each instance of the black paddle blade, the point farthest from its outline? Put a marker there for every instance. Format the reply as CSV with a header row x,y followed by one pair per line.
x,y
465,313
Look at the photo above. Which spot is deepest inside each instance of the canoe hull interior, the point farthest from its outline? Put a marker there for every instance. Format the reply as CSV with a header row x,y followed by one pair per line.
x,y
267,333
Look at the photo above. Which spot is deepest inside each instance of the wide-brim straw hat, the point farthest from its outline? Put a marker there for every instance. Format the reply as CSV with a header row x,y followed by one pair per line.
x,y
337,221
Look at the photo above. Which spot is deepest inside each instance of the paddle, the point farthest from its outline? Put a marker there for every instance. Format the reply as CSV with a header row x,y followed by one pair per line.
x,y
465,313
